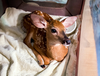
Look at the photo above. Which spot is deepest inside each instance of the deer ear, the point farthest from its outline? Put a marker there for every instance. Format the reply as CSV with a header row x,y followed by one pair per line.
x,y
38,21
69,21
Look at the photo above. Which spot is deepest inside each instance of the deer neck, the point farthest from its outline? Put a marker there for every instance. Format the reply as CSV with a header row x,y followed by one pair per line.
x,y
50,44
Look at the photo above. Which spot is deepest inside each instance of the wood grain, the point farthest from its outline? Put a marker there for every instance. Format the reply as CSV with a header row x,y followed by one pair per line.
x,y
87,65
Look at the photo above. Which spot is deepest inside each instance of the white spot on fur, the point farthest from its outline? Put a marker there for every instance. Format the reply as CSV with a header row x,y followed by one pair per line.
x,y
57,44
66,45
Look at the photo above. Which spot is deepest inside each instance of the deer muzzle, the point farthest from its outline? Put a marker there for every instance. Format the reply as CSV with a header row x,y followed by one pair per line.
x,y
66,40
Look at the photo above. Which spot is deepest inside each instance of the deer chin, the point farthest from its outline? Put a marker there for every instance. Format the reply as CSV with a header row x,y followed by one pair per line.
x,y
57,44
65,44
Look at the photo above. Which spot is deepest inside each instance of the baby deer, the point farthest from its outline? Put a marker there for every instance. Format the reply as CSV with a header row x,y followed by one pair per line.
x,y
49,36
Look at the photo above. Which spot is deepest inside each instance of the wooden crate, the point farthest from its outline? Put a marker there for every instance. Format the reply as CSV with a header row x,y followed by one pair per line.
x,y
86,53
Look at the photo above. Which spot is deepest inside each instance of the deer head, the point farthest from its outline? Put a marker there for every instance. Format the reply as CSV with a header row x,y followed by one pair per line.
x,y
55,30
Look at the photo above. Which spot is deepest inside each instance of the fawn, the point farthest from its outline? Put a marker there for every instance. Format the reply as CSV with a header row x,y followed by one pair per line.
x,y
50,40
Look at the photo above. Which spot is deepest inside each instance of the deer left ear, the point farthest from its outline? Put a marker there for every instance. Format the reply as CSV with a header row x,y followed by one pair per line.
x,y
38,21
69,21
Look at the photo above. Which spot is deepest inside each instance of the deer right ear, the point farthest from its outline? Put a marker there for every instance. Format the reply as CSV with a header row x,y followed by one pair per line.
x,y
38,21
69,21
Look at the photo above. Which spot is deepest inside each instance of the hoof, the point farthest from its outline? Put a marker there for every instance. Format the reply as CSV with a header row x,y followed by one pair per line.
x,y
43,66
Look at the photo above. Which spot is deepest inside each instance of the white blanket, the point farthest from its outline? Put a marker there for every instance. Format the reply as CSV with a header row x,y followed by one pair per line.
x,y
16,59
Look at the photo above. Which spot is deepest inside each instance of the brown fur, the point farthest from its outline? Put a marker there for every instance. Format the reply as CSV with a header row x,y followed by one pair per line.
x,y
47,46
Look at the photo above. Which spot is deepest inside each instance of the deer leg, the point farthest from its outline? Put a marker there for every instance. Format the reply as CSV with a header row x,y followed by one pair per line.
x,y
39,58
45,58
27,41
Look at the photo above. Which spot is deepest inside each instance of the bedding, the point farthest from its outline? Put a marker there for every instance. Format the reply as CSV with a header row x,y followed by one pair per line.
x,y
16,59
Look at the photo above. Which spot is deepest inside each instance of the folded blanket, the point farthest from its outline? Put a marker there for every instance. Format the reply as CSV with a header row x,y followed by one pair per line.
x,y
16,59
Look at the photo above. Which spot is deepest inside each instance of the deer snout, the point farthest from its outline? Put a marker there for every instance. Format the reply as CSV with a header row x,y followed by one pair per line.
x,y
66,41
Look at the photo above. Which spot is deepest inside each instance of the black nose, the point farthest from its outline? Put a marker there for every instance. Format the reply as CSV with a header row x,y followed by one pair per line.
x,y
68,41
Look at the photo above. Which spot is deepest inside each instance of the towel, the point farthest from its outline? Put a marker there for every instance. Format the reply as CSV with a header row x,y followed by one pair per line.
x,y
16,59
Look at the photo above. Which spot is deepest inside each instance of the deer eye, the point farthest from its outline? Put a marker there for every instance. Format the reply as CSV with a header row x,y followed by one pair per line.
x,y
53,31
